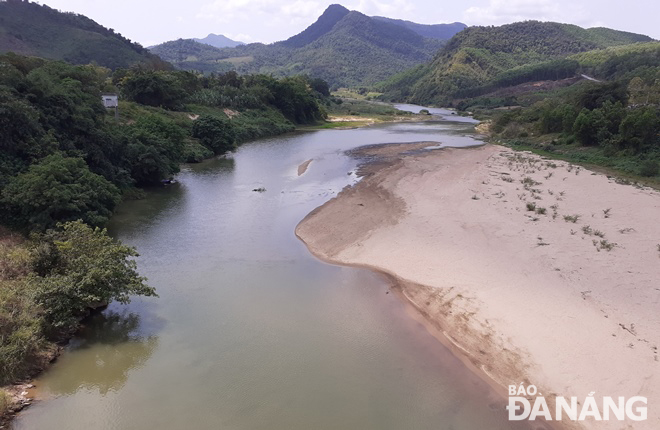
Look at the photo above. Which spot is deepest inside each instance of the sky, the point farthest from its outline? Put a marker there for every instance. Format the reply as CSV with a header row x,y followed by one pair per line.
x,y
150,22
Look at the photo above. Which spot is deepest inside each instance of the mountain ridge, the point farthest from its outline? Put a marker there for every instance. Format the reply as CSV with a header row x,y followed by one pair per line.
x,y
324,24
39,30
476,56
218,41
432,31
346,48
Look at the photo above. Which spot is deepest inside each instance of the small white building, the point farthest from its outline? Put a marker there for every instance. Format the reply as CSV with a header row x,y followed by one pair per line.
x,y
110,100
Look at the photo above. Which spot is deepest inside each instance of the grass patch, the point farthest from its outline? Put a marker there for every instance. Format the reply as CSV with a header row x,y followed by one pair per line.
x,y
624,169
5,402
606,245
339,124
507,178
527,181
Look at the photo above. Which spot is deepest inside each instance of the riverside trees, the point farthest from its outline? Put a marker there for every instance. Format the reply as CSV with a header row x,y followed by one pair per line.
x,y
65,163
63,158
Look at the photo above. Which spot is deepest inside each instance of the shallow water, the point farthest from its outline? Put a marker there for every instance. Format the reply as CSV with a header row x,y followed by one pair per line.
x,y
250,330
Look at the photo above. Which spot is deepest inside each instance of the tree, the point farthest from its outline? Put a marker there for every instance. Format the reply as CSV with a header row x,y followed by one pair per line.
x,y
59,188
19,124
215,133
590,127
639,130
295,101
320,86
83,268
152,148
638,91
593,94
160,89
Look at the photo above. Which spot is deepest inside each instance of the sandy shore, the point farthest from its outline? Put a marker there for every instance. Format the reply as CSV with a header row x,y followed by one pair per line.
x,y
535,270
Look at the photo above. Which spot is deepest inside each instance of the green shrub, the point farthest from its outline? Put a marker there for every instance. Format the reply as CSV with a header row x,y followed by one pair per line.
x,y
5,402
49,282
81,267
194,152
20,330
649,168
571,218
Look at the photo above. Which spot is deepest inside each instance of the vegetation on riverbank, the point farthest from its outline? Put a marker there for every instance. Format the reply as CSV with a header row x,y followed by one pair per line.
x,y
65,163
51,280
58,137
588,96
614,124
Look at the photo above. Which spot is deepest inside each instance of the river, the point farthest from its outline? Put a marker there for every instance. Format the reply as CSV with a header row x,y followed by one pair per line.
x,y
251,331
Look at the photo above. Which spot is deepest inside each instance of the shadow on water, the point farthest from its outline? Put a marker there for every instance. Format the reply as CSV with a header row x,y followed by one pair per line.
x,y
108,347
214,166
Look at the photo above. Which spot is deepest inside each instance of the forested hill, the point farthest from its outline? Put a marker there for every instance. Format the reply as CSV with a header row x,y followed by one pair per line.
x,y
477,56
346,48
38,30
432,31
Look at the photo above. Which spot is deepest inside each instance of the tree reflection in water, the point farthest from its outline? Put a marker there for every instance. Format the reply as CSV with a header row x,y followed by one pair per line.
x,y
100,358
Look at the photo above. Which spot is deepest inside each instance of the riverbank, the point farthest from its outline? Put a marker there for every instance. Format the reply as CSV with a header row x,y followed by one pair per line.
x,y
534,270
344,122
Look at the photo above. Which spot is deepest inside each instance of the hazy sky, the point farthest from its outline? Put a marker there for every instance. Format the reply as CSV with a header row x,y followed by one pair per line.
x,y
151,21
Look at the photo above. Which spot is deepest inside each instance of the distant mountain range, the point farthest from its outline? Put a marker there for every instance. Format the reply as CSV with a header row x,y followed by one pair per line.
x,y
432,31
219,41
479,59
38,30
421,63
346,48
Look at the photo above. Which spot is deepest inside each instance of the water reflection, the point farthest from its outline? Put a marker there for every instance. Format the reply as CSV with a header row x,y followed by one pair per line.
x,y
444,114
109,347
213,166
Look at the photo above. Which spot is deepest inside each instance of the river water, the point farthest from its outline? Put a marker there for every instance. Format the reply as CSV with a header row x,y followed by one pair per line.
x,y
251,331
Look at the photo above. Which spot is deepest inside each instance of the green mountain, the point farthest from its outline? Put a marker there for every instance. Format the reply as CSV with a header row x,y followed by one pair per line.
x,y
332,15
38,30
346,48
432,31
481,59
219,41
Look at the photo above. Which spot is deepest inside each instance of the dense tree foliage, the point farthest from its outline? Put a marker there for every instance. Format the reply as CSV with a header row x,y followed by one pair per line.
x,y
597,116
62,157
480,60
154,88
215,133
59,188
50,281
78,267
547,70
